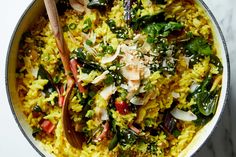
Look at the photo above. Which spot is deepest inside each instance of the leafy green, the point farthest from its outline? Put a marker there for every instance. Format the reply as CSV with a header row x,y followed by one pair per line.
x,y
89,42
109,80
156,30
36,131
205,99
107,49
43,74
128,138
198,45
216,61
113,142
119,31
138,23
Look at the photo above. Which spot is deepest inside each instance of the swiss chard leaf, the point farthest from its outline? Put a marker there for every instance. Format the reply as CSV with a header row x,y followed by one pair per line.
x,y
216,61
199,45
43,74
205,99
156,30
119,31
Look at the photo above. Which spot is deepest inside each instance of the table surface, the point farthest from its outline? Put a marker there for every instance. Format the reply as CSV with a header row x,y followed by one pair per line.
x,y
220,144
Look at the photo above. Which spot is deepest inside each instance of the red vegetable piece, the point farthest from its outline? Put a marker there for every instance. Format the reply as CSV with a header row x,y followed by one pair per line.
x,y
73,67
47,126
122,107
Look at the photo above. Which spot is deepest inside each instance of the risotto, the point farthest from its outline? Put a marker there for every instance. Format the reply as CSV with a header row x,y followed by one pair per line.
x,y
147,73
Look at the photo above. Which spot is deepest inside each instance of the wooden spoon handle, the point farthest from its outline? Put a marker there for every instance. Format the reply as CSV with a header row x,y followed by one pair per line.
x,y
70,134
57,31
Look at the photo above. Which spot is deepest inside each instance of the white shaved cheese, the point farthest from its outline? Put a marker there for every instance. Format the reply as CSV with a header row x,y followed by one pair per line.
x,y
136,100
111,58
78,5
104,114
131,72
193,87
34,71
183,115
108,91
100,78
175,95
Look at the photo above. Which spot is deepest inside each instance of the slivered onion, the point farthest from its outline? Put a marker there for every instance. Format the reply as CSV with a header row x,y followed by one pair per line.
x,y
104,114
111,58
183,115
137,101
77,5
108,91
100,78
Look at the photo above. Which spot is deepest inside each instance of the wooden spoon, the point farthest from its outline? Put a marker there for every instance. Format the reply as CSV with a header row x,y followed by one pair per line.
x,y
74,138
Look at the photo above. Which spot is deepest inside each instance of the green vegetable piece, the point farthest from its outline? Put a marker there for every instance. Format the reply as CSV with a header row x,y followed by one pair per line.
x,y
160,29
198,45
36,131
216,61
37,108
176,133
72,26
87,25
113,142
107,49
205,99
109,80
119,31
80,54
89,42
89,114
43,74
65,28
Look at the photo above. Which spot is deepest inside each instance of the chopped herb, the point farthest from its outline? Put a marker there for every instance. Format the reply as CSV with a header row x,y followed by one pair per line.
x,y
89,42
87,25
176,133
72,26
109,80
65,28
37,108
89,113
36,131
